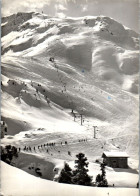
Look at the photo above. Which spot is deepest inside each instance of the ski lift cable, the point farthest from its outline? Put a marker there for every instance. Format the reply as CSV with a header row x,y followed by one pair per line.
x,y
62,82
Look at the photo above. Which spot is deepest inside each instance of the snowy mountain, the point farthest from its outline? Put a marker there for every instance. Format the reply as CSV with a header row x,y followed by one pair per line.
x,y
53,65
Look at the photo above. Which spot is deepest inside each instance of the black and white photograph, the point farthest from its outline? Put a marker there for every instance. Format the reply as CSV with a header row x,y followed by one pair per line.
x,y
69,98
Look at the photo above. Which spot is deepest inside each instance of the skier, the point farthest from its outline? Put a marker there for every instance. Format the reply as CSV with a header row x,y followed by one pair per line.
x,y
69,153
48,101
31,83
51,59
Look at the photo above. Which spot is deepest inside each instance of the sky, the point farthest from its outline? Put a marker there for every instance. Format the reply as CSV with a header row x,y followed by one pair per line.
x,y
124,11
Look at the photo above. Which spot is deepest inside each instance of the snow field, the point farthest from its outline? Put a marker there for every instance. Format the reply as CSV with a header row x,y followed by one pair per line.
x,y
95,72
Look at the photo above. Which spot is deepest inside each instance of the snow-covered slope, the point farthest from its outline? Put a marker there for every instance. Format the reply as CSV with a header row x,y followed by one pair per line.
x,y
94,72
16,183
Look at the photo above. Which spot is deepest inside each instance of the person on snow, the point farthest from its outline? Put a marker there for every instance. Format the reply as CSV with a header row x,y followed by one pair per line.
x,y
51,59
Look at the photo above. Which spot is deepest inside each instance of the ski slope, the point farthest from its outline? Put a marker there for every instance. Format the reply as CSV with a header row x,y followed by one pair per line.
x,y
94,72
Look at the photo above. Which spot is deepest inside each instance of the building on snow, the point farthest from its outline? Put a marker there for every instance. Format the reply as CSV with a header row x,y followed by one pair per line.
x,y
115,159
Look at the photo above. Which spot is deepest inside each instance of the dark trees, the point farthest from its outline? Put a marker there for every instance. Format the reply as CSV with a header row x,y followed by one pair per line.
x,y
101,180
66,175
80,175
8,153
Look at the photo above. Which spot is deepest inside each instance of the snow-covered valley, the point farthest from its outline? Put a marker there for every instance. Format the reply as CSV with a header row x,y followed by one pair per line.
x,y
51,66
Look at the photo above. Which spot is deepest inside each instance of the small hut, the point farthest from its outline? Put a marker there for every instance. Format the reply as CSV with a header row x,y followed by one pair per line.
x,y
115,159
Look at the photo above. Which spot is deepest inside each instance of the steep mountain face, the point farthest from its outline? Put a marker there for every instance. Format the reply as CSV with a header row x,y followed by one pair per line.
x,y
52,65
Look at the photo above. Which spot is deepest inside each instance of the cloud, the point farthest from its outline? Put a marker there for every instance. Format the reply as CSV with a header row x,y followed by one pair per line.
x,y
60,7
84,8
60,10
60,15
14,6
